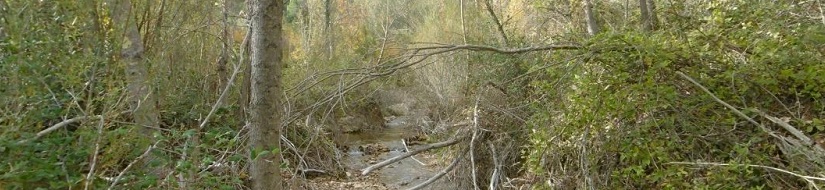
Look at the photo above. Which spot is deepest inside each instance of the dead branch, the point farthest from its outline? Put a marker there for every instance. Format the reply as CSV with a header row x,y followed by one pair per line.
x,y
809,179
472,143
736,111
793,130
58,126
381,164
442,172
499,26
94,154
496,166
414,56
471,47
139,158
404,142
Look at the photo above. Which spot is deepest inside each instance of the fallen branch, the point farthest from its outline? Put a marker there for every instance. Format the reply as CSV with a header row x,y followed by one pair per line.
x,y
736,111
62,124
809,179
94,154
496,166
404,142
360,76
379,165
472,143
139,158
471,47
793,130
442,172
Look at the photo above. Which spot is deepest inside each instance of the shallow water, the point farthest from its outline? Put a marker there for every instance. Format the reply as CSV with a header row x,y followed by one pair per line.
x,y
400,175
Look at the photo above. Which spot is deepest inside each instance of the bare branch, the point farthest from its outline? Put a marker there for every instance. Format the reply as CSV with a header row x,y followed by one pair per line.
x,y
793,130
736,111
94,154
404,142
442,172
499,26
379,165
496,166
58,126
472,144
139,158
809,179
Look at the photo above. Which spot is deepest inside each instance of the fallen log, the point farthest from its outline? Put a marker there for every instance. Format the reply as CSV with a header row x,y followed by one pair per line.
x,y
381,164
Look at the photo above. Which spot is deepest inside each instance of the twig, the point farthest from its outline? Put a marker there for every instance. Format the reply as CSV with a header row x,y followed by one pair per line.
x,y
404,142
496,165
222,97
809,179
736,111
139,158
381,164
472,143
94,155
442,172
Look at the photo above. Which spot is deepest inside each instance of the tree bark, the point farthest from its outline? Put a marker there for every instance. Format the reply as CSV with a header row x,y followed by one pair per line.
x,y
266,92
648,14
328,41
644,14
141,100
651,10
592,25
224,58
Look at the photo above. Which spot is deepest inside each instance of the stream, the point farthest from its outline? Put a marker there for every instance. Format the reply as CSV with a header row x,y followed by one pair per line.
x,y
371,146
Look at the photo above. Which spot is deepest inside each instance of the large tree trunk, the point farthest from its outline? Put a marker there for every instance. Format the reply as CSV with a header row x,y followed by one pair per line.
x,y
140,97
265,116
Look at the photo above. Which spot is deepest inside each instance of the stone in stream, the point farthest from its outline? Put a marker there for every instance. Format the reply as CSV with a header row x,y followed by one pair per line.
x,y
370,149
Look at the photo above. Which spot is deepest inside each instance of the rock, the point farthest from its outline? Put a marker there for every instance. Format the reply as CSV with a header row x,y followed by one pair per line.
x,y
416,140
399,109
370,149
397,122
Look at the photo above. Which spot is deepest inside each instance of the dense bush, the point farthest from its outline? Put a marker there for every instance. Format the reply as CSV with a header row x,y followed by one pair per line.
x,y
638,116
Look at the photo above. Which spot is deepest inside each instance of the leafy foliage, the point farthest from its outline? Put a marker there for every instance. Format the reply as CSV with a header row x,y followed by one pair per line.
x,y
641,116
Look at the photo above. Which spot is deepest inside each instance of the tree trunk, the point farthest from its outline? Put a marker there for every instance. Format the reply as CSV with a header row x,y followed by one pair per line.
x,y
266,92
328,41
140,97
651,10
592,25
646,25
224,58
